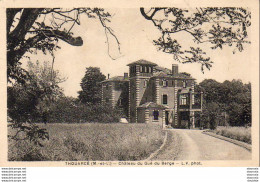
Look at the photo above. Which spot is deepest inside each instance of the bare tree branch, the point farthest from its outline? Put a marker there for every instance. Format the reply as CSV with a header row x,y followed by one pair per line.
x,y
110,31
152,15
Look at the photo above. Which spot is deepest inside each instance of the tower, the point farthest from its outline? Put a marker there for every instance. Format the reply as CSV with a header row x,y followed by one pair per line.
x,y
140,73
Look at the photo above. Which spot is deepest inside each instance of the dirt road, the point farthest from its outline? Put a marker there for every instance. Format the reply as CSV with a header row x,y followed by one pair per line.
x,y
194,145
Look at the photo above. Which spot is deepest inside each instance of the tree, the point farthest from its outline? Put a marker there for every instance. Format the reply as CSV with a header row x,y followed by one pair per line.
x,y
91,86
211,90
29,102
232,97
211,115
218,27
39,29
238,99
30,30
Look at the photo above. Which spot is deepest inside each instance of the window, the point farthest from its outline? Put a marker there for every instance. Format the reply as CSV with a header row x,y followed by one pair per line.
x,y
133,69
165,99
184,84
120,102
145,83
107,100
164,82
143,69
150,69
107,87
155,115
183,100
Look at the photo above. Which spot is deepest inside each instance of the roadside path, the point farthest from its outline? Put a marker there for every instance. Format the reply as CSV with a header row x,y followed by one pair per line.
x,y
194,145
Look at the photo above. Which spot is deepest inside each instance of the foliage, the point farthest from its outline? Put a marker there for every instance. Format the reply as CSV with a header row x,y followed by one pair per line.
x,y
39,29
217,27
184,125
231,100
30,102
210,115
69,110
90,142
29,131
91,86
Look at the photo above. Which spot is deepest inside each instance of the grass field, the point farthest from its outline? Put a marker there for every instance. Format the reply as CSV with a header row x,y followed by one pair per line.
x,y
238,133
102,142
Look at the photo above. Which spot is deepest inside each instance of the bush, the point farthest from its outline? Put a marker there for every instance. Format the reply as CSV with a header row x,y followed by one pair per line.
x,y
184,124
213,124
68,110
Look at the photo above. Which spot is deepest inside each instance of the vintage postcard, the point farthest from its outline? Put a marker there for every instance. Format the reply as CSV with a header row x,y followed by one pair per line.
x,y
171,84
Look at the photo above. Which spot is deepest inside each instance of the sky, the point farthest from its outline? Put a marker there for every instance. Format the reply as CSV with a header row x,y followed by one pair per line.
x,y
136,35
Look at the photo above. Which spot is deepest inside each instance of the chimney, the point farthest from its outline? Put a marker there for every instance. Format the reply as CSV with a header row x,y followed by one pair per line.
x,y
108,76
175,69
126,76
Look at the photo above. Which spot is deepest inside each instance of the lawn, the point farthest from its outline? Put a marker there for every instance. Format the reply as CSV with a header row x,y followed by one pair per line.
x,y
238,133
90,141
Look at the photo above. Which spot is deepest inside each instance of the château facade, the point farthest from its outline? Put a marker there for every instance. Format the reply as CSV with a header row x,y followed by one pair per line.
x,y
152,94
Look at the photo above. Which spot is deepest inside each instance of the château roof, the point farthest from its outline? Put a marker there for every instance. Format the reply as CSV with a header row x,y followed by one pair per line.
x,y
116,78
142,62
165,70
166,73
152,105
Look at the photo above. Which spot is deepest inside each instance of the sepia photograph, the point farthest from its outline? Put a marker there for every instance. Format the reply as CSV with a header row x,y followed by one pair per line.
x,y
126,85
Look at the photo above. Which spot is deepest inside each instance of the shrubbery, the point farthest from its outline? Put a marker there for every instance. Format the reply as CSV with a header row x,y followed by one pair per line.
x,y
69,110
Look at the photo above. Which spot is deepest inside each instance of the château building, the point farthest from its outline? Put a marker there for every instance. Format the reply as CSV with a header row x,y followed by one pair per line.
x,y
152,94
